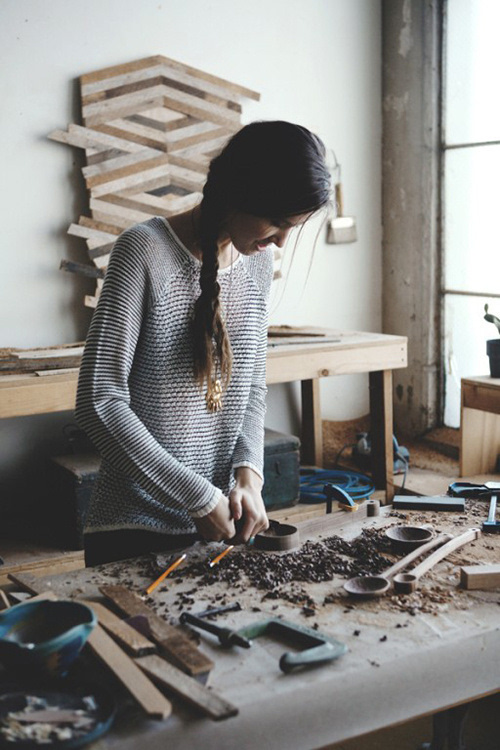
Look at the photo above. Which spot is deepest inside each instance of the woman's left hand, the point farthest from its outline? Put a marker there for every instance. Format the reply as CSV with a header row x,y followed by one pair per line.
x,y
246,504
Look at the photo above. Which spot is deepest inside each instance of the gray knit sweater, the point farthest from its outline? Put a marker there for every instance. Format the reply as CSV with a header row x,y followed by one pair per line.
x,y
165,457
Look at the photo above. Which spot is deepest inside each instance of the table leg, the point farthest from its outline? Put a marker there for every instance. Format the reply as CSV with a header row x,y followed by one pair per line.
x,y
448,729
311,452
381,431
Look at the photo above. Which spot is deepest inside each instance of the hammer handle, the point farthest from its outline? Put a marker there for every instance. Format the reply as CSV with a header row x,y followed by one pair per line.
x,y
493,509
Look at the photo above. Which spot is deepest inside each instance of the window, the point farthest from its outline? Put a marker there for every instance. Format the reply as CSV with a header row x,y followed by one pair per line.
x,y
471,190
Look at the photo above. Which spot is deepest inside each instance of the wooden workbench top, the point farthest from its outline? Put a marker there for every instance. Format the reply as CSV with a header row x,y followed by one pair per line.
x,y
407,655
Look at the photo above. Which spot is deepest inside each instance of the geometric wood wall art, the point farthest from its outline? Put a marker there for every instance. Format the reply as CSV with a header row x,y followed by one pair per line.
x,y
150,128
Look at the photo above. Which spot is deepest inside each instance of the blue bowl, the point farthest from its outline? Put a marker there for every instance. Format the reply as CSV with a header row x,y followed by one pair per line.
x,y
44,637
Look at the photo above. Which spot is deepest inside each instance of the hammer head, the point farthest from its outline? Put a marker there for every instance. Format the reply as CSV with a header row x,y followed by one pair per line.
x,y
491,527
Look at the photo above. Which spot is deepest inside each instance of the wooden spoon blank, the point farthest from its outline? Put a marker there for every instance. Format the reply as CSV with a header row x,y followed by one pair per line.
x,y
405,583
371,586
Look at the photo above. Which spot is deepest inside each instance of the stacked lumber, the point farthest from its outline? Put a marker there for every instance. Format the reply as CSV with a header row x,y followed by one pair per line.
x,y
17,361
150,129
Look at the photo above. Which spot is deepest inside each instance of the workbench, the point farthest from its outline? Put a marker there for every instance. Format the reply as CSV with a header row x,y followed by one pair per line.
x,y
344,353
407,656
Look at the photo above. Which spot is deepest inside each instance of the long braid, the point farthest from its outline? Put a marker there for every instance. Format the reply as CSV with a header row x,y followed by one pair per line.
x,y
212,349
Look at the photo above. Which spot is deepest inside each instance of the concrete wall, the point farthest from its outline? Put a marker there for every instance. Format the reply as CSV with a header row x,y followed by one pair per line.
x,y
317,63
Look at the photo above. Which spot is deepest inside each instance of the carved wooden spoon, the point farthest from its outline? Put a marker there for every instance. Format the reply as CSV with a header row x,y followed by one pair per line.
x,y
405,583
371,586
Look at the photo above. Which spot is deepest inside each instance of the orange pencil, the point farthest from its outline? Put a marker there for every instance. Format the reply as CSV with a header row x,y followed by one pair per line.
x,y
219,557
165,574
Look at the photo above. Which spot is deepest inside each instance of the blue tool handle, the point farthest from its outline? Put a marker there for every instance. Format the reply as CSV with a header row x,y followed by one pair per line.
x,y
311,656
493,510
333,492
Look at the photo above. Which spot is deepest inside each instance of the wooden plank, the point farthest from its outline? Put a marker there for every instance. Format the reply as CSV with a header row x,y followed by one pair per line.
x,y
113,110
201,164
117,162
124,127
77,230
135,180
171,641
175,77
116,208
128,673
165,206
37,396
92,223
85,137
480,576
190,690
127,636
149,62
202,149
129,104
138,165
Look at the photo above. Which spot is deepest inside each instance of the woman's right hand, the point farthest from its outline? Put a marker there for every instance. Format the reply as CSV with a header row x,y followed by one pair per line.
x,y
217,525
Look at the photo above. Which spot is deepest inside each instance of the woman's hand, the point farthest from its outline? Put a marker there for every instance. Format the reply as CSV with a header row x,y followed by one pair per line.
x,y
217,525
247,506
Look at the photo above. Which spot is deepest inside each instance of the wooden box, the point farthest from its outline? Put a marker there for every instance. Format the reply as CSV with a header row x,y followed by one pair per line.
x,y
71,480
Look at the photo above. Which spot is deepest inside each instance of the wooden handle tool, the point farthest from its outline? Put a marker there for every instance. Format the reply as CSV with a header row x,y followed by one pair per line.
x,y
405,583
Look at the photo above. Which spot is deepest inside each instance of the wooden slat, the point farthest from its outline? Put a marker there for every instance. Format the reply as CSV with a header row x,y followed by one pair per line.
x,y
171,641
123,127
117,168
139,181
148,62
127,636
37,396
132,678
166,675
110,228
85,137
77,230
118,209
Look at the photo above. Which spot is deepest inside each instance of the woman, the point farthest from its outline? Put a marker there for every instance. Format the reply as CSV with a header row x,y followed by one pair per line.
x,y
172,384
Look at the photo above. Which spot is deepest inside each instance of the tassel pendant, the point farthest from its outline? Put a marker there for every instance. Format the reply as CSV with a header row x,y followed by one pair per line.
x,y
213,396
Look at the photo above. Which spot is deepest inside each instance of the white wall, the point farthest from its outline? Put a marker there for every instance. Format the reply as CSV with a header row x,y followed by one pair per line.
x,y
316,62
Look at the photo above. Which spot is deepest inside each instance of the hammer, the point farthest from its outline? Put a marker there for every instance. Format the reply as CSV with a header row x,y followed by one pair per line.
x,y
492,525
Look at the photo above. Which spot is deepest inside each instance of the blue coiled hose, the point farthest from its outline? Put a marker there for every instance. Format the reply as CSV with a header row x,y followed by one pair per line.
x,y
312,482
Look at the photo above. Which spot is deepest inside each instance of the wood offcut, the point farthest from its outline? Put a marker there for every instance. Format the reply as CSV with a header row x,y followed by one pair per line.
x,y
171,642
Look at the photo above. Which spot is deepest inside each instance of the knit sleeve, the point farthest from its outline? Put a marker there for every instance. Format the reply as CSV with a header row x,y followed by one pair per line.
x,y
249,450
103,407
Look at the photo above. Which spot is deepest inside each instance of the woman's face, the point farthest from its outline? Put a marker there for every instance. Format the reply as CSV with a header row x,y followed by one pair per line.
x,y
251,234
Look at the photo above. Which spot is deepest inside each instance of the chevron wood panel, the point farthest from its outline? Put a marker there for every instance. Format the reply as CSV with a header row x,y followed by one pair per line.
x,y
149,130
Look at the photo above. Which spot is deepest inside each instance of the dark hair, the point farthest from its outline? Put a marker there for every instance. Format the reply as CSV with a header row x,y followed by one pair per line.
x,y
273,170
